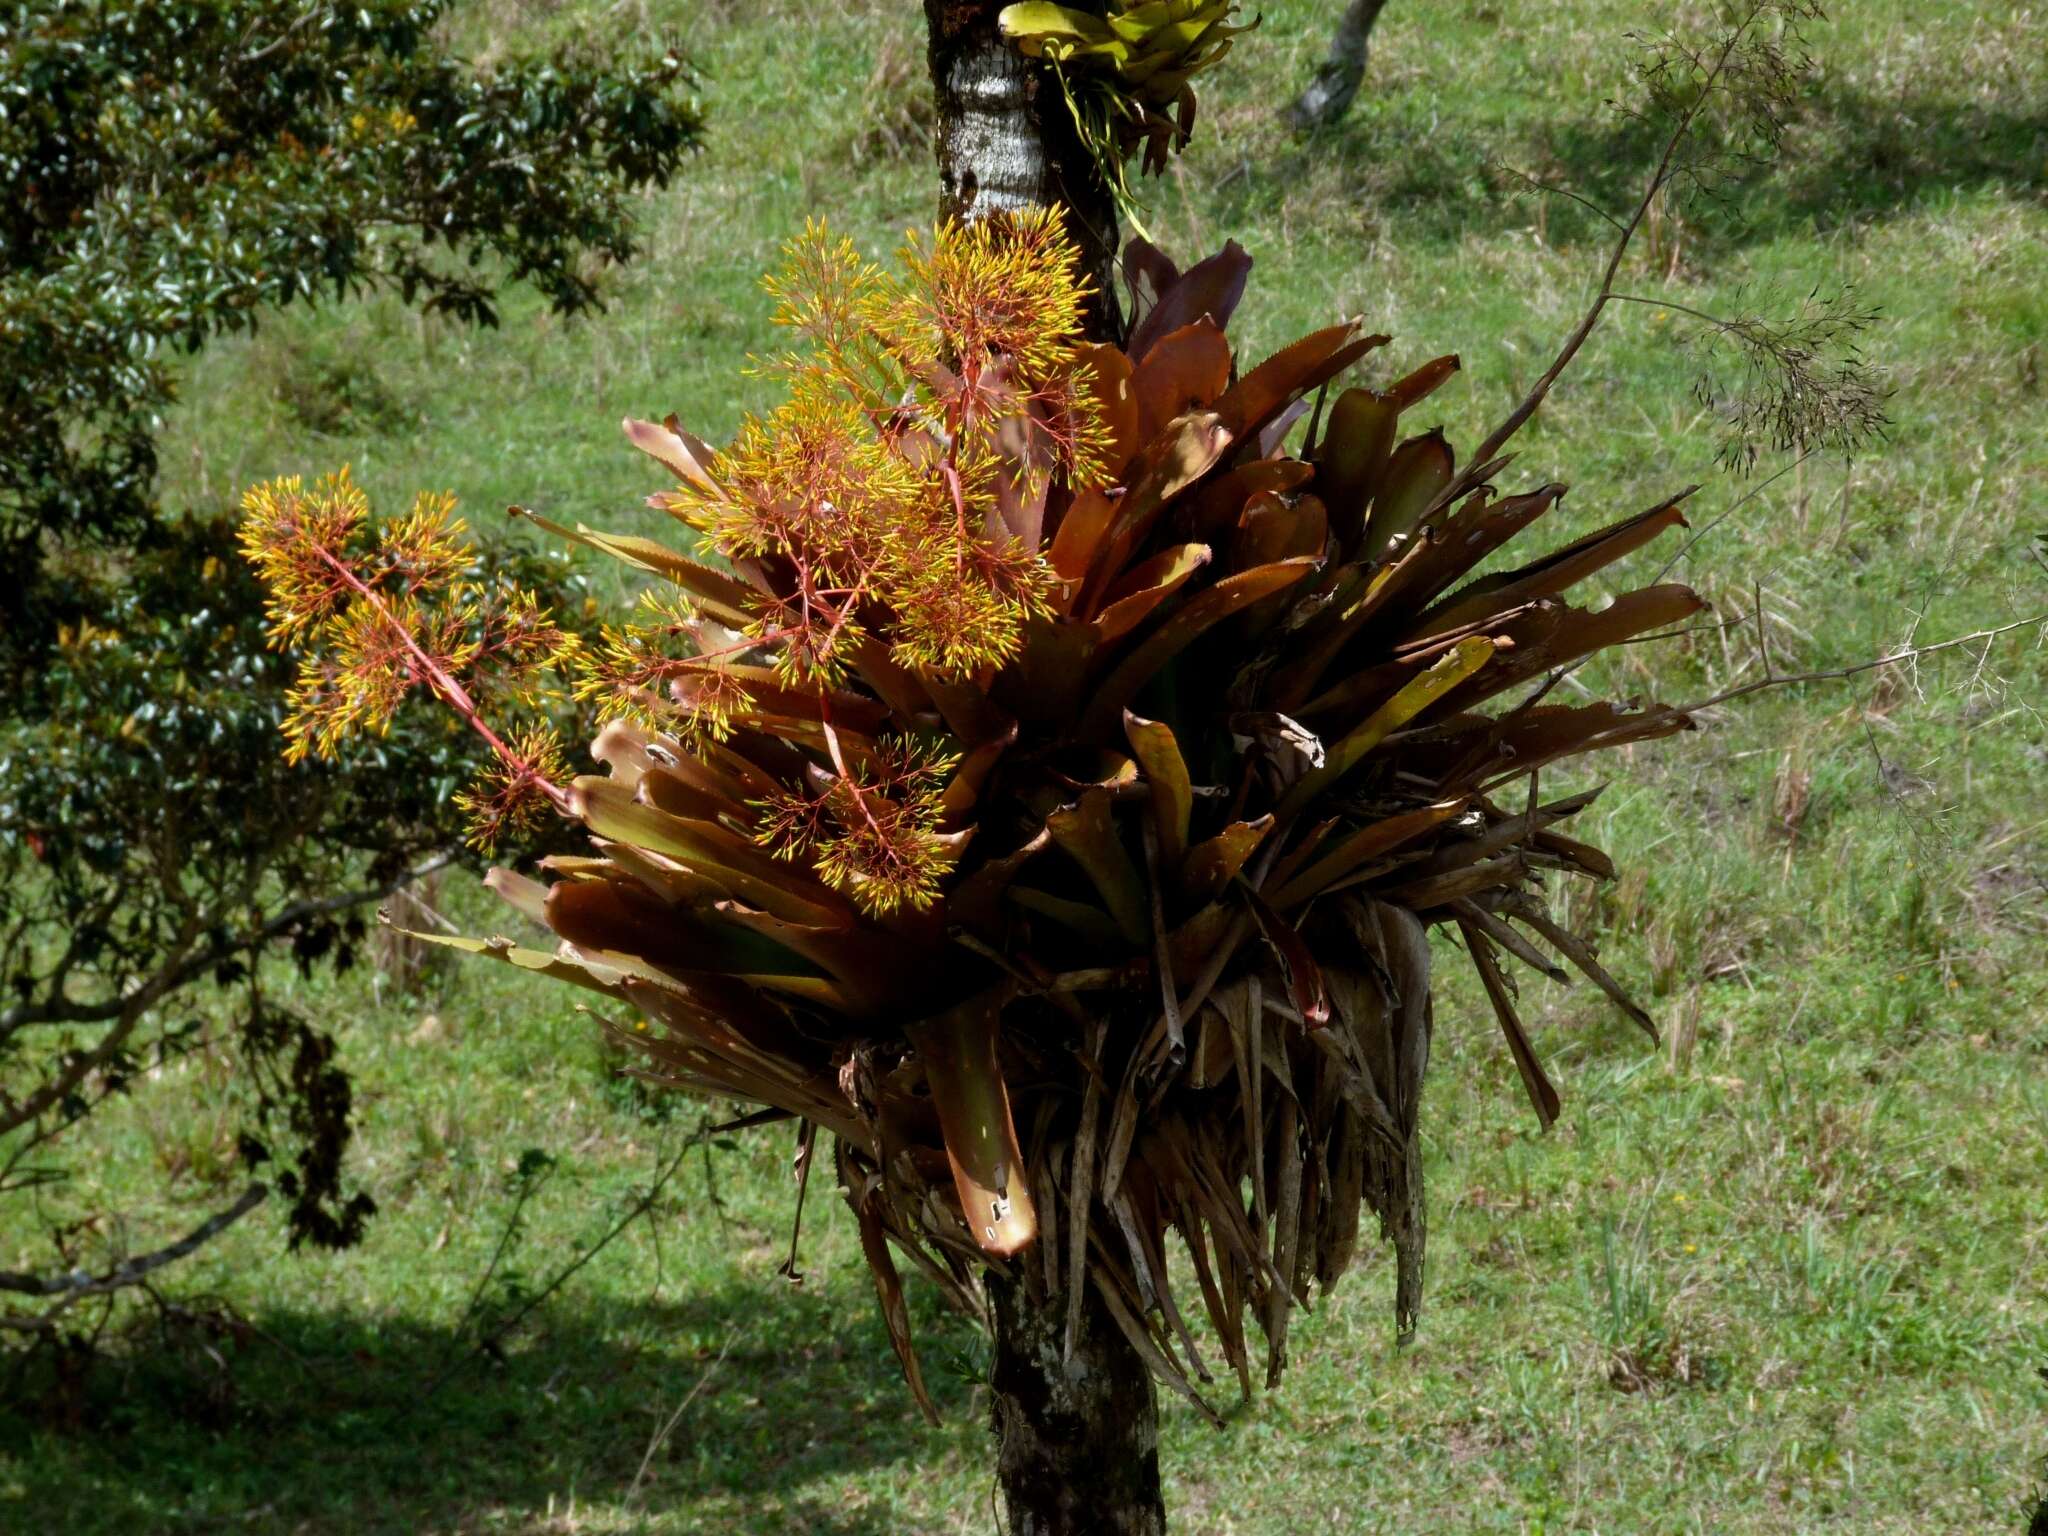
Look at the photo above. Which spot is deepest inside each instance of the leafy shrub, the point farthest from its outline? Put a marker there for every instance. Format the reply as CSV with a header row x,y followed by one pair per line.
x,y
153,838
169,172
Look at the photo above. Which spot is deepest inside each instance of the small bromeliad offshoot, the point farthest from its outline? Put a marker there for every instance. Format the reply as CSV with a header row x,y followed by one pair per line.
x,y
1049,796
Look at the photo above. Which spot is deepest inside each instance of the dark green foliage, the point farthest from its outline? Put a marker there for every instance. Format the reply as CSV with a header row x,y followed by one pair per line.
x,y
299,1083
150,837
169,171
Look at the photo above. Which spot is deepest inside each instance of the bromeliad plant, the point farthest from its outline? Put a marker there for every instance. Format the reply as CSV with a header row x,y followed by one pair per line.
x,y
1127,75
1050,796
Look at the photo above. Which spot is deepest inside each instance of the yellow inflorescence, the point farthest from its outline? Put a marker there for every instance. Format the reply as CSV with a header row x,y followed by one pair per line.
x,y
376,612
651,671
923,397
504,801
872,832
288,534
928,409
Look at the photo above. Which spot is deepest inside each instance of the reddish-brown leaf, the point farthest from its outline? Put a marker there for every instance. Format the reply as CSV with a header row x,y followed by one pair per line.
x,y
1146,585
1415,472
1290,373
959,1048
1554,572
1573,633
1079,537
1423,382
1357,441
1272,528
1185,371
1212,509
1109,375
1361,847
1541,1093
784,889
874,1246
1189,621
1210,287
684,455
1297,963
1187,450
1087,831
1213,863
1166,772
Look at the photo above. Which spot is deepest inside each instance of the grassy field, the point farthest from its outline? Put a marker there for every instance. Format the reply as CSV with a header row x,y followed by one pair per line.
x,y
1789,1274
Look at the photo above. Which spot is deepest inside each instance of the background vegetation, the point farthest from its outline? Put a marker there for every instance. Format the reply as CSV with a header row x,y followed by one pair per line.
x,y
1785,1276
171,173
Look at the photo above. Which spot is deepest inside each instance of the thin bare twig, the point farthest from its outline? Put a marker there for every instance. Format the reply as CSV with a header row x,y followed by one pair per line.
x,y
1666,164
1837,674
660,1437
639,1208
61,1011
1731,509
78,1285
1535,184
806,1140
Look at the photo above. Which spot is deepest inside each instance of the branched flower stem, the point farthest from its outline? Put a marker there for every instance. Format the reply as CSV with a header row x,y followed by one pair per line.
x,y
444,683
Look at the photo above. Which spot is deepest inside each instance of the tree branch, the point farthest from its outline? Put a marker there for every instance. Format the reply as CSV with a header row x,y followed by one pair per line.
x,y
281,39
640,1207
128,1010
61,1011
1516,418
78,1285
1535,184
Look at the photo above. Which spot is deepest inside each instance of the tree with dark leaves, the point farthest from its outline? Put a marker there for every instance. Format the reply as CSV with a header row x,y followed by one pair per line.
x,y
171,171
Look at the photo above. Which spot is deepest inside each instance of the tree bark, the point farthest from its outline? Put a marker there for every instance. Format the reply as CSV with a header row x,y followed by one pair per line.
x,y
1328,96
1006,141
1077,1441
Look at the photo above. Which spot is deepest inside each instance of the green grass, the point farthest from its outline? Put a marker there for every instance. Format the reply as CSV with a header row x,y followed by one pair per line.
x,y
1790,1280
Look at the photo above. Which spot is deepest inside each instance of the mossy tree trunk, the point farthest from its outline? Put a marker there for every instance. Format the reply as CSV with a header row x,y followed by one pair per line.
x,y
1077,1440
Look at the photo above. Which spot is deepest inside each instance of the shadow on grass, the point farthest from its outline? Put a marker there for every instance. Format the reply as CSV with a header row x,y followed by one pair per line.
x,y
1852,158
323,1424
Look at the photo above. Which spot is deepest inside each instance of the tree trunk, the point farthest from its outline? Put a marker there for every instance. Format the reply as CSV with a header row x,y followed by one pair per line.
x,y
1077,1442
1006,141
1329,95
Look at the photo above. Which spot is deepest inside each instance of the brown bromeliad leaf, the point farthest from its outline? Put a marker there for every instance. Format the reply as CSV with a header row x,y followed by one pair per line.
x,y
1144,587
1214,862
1187,623
961,1062
1088,833
1172,804
1185,371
